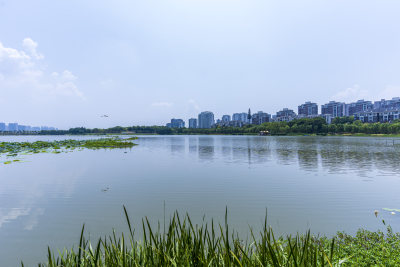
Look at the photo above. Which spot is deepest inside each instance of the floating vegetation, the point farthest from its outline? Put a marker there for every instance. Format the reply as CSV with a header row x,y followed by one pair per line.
x,y
183,243
398,210
14,149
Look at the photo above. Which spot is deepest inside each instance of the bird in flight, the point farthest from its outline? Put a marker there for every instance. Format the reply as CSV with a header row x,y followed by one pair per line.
x,y
105,189
104,116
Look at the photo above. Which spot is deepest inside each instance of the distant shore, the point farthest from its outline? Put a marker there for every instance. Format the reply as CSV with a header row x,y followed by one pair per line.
x,y
232,134
317,126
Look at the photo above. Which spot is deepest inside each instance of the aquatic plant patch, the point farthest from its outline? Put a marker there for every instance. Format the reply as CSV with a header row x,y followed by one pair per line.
x,y
14,149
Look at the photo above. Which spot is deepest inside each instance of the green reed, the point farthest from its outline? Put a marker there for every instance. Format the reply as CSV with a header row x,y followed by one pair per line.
x,y
186,244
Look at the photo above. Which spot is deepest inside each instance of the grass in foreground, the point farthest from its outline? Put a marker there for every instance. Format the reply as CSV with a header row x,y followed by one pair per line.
x,y
13,149
185,244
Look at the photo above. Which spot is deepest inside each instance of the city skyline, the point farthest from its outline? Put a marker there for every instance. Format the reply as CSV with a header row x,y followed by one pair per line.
x,y
308,109
16,127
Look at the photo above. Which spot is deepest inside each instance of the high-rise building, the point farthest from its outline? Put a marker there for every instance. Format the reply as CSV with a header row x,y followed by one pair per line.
x,y
13,127
22,128
308,109
335,109
193,123
359,106
386,105
285,115
2,127
176,123
260,117
378,116
239,117
226,118
206,119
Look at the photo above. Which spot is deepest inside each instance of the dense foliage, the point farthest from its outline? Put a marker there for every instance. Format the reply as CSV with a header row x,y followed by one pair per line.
x,y
186,244
368,248
299,126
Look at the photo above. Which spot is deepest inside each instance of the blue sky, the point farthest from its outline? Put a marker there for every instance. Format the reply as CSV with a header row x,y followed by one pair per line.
x,y
66,63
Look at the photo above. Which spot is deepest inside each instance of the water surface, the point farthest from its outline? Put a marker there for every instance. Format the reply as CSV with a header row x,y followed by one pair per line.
x,y
325,184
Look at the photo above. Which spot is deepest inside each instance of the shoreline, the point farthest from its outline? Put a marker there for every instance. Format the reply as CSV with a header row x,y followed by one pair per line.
x,y
216,134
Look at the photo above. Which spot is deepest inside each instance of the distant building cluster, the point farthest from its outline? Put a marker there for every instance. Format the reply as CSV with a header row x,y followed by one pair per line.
x,y
176,123
365,111
17,128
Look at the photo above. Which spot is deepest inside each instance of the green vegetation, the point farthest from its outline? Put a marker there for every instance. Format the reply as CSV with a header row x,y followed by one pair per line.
x,y
186,244
368,248
13,149
318,126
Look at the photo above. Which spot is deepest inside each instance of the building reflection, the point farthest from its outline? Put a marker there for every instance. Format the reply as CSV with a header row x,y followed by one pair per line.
x,y
239,149
206,147
177,144
335,155
226,148
308,153
193,144
260,149
308,159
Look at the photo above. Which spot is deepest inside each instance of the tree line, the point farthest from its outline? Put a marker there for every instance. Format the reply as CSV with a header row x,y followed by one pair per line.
x,y
318,126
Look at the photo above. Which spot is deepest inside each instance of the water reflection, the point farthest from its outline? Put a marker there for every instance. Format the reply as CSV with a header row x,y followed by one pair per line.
x,y
193,144
308,159
206,147
335,155
258,150
26,198
177,145
226,148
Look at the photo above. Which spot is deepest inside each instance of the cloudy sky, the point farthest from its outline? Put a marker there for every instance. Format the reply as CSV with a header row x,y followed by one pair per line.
x,y
65,63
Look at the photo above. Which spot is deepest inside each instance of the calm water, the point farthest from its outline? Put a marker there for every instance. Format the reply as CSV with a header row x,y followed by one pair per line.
x,y
324,184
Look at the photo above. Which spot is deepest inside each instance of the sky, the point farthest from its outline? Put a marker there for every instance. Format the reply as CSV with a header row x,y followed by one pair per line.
x,y
66,63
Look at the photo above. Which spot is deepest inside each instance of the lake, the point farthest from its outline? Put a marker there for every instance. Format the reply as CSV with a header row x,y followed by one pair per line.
x,y
326,184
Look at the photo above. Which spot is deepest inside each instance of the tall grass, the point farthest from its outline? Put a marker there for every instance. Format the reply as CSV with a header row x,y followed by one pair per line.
x,y
186,244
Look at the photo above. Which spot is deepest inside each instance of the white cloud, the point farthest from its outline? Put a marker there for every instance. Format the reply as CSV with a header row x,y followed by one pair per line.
x,y
389,92
10,57
351,94
23,73
30,46
68,76
162,104
355,93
